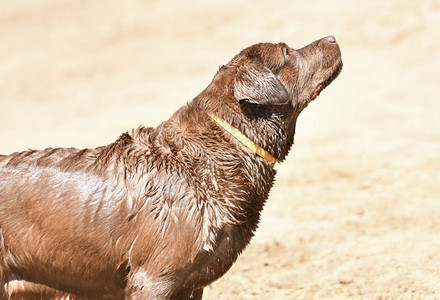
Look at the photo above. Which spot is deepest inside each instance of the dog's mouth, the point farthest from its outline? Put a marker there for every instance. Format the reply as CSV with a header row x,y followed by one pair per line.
x,y
318,88
316,91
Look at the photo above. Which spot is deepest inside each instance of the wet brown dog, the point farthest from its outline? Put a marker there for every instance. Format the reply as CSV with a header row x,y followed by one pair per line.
x,y
161,212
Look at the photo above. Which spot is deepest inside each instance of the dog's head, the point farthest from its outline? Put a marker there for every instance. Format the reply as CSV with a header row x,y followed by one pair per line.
x,y
262,90
275,74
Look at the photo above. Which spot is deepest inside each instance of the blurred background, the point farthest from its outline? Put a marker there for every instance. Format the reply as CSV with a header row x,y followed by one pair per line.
x,y
355,209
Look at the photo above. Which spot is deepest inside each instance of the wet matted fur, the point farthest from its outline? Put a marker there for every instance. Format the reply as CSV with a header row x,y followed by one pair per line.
x,y
162,212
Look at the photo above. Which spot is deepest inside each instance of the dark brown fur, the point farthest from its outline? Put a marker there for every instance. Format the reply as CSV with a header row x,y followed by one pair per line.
x,y
162,212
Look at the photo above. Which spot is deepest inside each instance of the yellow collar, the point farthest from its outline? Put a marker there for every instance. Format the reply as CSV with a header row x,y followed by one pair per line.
x,y
244,139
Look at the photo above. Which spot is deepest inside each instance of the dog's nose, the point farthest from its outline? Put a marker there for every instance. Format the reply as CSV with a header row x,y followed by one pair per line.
x,y
331,39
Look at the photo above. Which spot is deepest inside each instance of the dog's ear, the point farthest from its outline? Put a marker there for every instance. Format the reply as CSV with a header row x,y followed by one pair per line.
x,y
257,84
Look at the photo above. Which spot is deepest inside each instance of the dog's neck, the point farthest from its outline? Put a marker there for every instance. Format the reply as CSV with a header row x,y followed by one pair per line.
x,y
243,139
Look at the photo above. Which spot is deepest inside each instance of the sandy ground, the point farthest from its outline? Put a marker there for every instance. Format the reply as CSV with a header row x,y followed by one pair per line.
x,y
355,212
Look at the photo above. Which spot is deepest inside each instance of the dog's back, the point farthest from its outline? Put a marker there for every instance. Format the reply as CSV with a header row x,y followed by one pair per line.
x,y
55,210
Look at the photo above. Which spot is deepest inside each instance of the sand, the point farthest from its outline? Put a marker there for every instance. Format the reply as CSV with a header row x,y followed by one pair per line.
x,y
355,211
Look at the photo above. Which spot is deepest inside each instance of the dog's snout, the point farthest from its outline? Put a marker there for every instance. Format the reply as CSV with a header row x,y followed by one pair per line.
x,y
330,39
